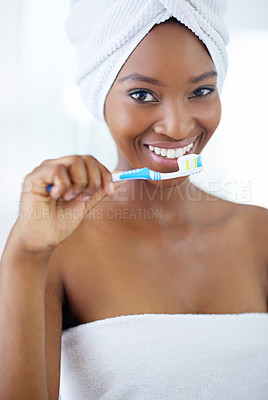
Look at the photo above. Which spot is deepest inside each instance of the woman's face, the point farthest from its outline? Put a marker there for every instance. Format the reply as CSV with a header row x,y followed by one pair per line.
x,y
164,102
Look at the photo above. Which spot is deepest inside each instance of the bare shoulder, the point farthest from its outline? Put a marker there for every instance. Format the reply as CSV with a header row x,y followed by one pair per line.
x,y
252,223
248,221
255,215
255,219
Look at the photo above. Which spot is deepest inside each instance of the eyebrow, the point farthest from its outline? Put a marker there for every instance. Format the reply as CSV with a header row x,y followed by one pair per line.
x,y
147,79
204,76
143,78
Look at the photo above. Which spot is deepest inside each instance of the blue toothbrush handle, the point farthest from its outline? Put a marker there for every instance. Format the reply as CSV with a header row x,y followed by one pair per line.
x,y
139,173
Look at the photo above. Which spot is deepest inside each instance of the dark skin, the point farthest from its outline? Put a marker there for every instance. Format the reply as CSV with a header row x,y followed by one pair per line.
x,y
201,255
180,251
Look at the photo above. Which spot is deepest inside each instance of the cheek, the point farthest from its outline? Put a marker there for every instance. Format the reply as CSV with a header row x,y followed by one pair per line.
x,y
123,120
212,116
215,114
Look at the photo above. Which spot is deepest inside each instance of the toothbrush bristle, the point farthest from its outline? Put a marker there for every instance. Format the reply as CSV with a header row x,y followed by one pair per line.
x,y
190,161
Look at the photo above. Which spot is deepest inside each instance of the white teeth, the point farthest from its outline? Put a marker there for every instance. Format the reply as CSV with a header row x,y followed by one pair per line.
x,y
171,153
179,153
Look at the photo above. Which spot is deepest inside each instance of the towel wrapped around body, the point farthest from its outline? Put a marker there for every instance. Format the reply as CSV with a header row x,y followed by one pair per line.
x,y
167,357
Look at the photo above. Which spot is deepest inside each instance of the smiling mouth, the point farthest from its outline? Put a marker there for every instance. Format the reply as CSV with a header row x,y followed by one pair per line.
x,y
171,153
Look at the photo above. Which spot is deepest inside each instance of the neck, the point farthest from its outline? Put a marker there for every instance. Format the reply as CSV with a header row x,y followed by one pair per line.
x,y
169,199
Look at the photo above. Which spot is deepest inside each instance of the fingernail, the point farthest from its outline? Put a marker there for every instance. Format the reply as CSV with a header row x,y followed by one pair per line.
x,y
110,188
54,192
85,197
69,196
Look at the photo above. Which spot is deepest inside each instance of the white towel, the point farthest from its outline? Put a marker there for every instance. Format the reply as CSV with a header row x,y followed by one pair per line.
x,y
106,32
167,356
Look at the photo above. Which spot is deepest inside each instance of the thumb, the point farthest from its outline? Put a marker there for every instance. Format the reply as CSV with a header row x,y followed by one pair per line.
x,y
120,183
100,195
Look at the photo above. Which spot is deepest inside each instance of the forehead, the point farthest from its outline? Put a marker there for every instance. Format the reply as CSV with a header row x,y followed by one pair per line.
x,y
169,49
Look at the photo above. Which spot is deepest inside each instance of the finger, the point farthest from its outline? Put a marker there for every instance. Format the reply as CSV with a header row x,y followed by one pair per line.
x,y
97,197
70,176
93,168
83,171
38,180
78,175
61,182
66,160
107,182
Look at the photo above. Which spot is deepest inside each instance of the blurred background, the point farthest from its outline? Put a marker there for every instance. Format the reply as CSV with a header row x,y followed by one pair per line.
x,y
42,116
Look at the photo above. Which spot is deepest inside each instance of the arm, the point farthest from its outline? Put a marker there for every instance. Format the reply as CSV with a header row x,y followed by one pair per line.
x,y
22,327
54,298
30,329
30,288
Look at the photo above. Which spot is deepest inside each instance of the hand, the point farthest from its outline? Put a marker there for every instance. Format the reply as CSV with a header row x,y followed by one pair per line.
x,y
46,218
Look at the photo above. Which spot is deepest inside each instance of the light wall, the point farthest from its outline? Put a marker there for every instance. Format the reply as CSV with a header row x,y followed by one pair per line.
x,y
42,116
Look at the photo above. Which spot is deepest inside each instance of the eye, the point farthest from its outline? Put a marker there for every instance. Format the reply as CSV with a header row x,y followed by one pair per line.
x,y
202,92
142,96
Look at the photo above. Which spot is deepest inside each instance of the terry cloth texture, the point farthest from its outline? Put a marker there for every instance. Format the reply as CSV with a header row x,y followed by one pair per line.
x,y
167,356
105,33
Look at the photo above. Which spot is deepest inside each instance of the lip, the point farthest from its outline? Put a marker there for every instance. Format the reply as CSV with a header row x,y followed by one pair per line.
x,y
162,163
172,145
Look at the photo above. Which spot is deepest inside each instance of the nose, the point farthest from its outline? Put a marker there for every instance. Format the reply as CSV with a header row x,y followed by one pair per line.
x,y
175,121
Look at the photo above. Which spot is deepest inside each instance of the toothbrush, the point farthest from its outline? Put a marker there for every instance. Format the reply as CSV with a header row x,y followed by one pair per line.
x,y
188,165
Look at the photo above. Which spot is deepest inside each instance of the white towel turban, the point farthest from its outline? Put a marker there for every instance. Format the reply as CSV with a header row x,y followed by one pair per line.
x,y
105,33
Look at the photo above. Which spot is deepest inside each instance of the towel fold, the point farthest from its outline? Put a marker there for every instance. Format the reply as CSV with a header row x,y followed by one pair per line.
x,y
105,33
167,356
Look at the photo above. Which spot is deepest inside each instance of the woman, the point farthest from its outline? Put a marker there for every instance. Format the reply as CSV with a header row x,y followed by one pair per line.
x,y
157,290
